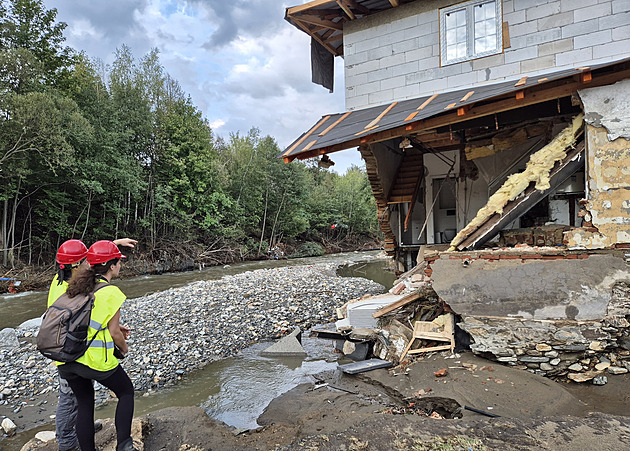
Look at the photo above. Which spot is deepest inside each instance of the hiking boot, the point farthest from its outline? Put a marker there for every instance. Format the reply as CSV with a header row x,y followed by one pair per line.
x,y
127,445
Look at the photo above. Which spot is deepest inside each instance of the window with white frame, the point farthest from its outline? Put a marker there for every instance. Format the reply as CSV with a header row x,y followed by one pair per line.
x,y
470,30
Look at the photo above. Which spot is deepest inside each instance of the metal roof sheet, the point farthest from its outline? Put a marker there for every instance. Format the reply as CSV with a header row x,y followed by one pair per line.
x,y
326,136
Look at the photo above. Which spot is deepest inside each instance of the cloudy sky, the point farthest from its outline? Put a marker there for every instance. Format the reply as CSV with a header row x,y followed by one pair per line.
x,y
241,62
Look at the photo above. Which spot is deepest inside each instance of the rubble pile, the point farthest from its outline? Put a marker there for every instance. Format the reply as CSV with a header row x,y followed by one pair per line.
x,y
393,316
579,350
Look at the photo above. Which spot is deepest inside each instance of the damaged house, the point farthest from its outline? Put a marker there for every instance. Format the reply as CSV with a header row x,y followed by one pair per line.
x,y
496,137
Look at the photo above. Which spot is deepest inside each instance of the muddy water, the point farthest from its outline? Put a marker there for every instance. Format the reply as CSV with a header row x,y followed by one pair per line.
x,y
237,390
17,308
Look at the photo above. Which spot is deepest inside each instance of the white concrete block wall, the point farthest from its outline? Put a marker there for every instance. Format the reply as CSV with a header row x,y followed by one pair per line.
x,y
395,55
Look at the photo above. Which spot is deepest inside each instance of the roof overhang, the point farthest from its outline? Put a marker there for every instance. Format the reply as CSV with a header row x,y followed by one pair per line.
x,y
342,131
323,20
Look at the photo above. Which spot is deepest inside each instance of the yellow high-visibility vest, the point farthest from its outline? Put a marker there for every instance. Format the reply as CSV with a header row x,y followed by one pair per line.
x,y
100,354
56,290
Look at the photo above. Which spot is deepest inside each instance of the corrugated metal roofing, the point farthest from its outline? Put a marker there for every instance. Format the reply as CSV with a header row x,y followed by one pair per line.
x,y
361,123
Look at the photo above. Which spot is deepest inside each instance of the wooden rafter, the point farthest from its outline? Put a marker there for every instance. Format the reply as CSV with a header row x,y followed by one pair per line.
x,y
534,94
315,36
346,9
394,3
362,9
317,21
327,34
307,6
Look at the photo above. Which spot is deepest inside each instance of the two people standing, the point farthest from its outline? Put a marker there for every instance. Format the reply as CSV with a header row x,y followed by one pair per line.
x,y
89,271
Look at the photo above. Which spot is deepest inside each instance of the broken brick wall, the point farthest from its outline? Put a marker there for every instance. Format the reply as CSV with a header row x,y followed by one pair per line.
x,y
607,115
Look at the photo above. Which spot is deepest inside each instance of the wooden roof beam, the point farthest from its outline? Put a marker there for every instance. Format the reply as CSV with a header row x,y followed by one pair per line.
x,y
307,6
394,3
346,9
315,36
327,34
362,9
317,21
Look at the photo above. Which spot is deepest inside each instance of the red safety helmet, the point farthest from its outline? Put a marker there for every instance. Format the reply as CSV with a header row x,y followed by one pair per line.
x,y
71,252
102,252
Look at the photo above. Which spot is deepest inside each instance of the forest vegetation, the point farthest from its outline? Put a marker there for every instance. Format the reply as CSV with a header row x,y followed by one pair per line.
x,y
94,151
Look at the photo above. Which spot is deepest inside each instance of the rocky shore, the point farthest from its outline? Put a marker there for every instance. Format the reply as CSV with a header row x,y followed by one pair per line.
x,y
178,330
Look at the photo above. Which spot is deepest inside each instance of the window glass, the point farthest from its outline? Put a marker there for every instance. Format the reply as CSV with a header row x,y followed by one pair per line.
x,y
470,30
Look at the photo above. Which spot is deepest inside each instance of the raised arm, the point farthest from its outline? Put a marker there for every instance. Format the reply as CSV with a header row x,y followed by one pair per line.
x,y
128,242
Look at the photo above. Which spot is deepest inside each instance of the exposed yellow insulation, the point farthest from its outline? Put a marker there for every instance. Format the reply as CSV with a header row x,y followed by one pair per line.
x,y
538,168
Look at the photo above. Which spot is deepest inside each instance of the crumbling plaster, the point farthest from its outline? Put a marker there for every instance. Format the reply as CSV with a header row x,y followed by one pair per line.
x,y
578,289
608,166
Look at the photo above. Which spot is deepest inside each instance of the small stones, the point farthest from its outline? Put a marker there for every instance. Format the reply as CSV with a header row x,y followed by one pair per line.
x,y
575,367
597,346
602,366
584,377
600,380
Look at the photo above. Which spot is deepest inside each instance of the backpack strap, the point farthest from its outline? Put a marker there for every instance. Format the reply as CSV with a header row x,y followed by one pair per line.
x,y
97,287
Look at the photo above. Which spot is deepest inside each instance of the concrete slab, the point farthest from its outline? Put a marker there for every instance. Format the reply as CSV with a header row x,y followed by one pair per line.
x,y
287,346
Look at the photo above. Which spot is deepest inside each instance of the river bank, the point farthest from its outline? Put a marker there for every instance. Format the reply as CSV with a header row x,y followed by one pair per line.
x,y
176,257
182,329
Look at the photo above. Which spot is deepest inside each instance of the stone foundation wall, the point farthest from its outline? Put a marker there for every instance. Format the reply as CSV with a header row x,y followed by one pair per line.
x,y
550,347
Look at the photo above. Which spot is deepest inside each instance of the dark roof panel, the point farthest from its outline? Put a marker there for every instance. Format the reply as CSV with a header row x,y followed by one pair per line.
x,y
364,122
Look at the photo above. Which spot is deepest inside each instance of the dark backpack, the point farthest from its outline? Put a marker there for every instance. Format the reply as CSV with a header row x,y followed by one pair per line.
x,y
63,333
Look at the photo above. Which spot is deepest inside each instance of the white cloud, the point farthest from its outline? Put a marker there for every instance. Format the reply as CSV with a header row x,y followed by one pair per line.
x,y
217,124
239,60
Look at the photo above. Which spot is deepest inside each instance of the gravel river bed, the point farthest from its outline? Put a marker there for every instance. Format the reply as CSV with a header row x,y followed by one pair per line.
x,y
182,329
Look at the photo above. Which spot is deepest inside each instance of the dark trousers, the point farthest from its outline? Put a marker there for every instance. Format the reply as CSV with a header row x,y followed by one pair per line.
x,y
83,389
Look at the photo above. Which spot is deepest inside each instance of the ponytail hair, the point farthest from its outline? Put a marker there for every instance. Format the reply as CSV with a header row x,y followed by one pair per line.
x,y
84,280
65,271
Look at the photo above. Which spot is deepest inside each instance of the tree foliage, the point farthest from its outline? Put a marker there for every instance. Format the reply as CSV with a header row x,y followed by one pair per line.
x,y
88,152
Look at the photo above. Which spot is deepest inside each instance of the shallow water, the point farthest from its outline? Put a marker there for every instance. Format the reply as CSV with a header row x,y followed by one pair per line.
x,y
238,389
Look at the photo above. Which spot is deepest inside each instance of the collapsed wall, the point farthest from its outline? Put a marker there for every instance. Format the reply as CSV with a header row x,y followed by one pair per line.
x,y
553,312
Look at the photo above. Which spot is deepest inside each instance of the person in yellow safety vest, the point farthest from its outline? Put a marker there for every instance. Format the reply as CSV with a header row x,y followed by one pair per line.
x,y
70,257
100,362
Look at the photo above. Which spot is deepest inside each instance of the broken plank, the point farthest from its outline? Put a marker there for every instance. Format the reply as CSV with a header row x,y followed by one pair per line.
x,y
467,96
521,82
396,305
306,135
334,124
431,349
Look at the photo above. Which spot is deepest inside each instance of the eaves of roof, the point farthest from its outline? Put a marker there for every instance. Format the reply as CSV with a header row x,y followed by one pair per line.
x,y
341,131
323,20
